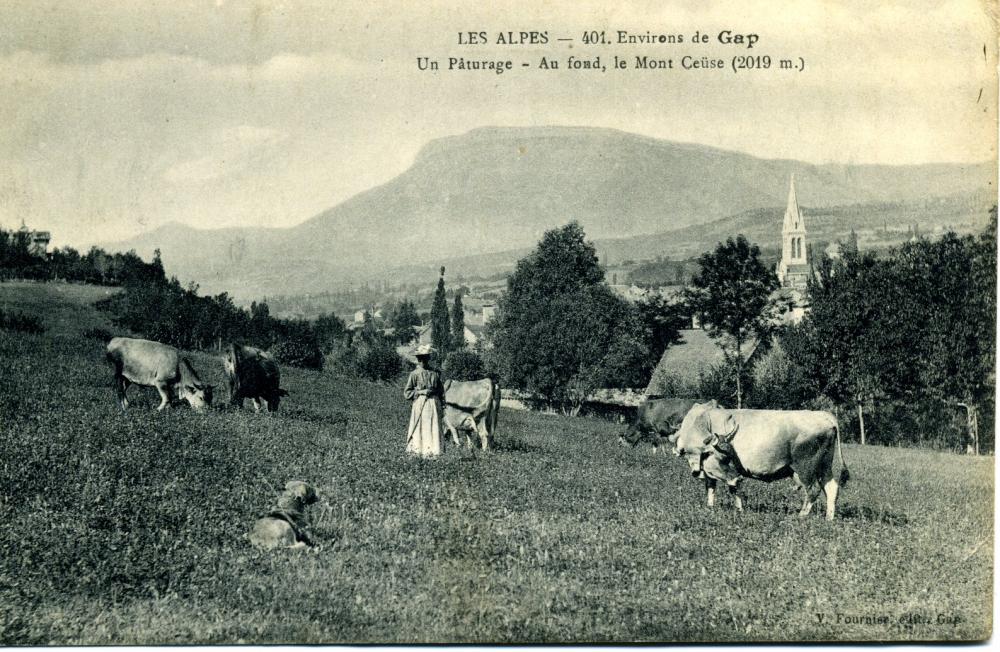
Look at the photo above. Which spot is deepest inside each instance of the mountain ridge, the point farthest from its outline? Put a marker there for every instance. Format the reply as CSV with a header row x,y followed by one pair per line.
x,y
495,189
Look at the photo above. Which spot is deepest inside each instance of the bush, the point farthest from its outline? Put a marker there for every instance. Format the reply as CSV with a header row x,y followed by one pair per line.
x,y
298,353
463,365
778,382
378,361
373,358
20,323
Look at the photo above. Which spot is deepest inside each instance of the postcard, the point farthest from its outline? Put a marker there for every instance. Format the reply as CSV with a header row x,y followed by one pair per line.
x,y
532,322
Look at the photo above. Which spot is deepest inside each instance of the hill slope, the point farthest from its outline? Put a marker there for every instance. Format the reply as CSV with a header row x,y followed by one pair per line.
x,y
498,189
128,528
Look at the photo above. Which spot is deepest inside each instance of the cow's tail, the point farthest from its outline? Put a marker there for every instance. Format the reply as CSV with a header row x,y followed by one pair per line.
x,y
496,409
845,474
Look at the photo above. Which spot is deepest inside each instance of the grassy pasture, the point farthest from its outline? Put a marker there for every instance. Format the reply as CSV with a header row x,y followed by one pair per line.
x,y
128,528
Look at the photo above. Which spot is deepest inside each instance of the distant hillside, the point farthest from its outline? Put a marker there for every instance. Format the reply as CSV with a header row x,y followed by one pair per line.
x,y
877,225
496,190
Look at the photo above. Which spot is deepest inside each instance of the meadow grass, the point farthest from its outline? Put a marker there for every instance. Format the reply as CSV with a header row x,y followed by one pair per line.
x,y
129,527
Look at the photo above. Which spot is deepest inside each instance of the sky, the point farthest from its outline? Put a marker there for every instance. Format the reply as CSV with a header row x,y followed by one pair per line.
x,y
122,116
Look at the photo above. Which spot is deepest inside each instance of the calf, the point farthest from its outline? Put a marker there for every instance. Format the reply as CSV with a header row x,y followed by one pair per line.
x,y
472,404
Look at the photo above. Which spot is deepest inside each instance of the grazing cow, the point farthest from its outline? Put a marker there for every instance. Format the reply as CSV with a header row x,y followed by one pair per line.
x,y
767,445
656,420
152,364
472,403
252,374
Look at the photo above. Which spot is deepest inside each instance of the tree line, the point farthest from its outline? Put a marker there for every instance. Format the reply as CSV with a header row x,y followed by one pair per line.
x,y
164,310
900,344
96,267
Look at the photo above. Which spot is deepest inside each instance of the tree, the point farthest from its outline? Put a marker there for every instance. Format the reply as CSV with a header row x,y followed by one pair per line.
x,y
560,332
731,293
402,320
457,323
440,326
463,364
330,331
663,322
843,350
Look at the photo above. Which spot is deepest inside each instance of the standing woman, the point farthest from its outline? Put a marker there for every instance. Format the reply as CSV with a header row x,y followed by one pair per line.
x,y
424,388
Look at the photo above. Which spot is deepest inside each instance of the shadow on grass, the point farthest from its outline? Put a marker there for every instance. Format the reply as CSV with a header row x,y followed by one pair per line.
x,y
866,513
327,419
514,445
846,512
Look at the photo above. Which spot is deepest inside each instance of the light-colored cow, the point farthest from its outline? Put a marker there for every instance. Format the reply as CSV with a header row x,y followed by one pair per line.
x,y
729,445
252,374
472,405
152,364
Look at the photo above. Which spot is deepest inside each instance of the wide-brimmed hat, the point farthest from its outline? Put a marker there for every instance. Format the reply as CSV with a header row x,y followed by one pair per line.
x,y
423,349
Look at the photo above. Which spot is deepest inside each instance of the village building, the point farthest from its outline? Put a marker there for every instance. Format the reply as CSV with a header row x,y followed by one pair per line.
x,y
38,241
631,293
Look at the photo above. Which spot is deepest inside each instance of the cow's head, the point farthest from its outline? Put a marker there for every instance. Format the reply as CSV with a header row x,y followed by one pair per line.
x,y
695,438
198,395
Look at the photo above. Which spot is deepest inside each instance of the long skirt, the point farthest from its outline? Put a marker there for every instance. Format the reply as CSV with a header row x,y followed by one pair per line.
x,y
424,434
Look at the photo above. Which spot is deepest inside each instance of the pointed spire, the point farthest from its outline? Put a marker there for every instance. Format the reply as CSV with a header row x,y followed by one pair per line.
x,y
793,216
793,205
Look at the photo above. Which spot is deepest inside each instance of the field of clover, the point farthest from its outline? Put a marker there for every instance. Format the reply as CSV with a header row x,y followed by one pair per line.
x,y
130,527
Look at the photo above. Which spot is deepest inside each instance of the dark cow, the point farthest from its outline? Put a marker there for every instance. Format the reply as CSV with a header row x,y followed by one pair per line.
x,y
655,420
253,375
152,364
730,445
472,405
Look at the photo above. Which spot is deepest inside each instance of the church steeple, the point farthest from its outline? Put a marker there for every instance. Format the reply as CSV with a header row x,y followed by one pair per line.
x,y
793,243
793,232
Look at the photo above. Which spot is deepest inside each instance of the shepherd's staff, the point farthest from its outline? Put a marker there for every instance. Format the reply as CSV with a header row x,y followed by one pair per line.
x,y
415,422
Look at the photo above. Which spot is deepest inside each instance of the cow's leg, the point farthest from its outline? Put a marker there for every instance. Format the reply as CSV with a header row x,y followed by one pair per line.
x,y
734,491
453,430
484,435
256,404
812,489
710,491
831,488
164,391
121,389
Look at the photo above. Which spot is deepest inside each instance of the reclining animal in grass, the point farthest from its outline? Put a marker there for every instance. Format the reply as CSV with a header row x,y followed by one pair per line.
x,y
286,525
